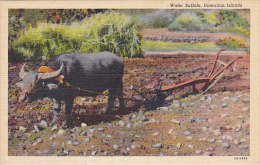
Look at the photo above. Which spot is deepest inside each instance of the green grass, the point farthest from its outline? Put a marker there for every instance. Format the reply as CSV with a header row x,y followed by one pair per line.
x,y
161,46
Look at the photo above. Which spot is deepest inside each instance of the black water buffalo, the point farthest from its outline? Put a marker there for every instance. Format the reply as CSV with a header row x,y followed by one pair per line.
x,y
81,74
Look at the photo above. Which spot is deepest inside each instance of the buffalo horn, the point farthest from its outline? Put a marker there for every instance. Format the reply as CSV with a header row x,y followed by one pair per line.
x,y
22,72
51,74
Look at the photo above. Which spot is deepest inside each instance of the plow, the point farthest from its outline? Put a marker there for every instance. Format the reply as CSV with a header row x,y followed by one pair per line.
x,y
161,93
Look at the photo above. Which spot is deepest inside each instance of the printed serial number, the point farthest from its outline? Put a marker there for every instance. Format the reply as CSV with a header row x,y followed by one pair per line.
x,y
240,158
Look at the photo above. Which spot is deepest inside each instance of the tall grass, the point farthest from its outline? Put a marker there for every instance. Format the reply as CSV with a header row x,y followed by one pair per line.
x,y
109,31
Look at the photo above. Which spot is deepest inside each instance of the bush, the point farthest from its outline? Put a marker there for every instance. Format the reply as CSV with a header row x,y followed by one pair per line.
x,y
231,43
187,21
107,31
231,22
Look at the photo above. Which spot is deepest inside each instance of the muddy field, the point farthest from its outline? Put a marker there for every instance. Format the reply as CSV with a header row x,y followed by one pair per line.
x,y
213,124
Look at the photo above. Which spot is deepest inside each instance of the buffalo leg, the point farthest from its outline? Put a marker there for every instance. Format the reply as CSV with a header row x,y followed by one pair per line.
x,y
56,110
68,110
121,95
111,101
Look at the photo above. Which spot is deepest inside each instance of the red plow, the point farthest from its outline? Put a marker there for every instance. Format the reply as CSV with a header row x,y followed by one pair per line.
x,y
162,93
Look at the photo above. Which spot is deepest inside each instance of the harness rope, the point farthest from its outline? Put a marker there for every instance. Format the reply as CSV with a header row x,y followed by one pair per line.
x,y
32,86
85,90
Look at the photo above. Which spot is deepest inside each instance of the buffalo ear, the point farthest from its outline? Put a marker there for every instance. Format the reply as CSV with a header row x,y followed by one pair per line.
x,y
19,84
52,86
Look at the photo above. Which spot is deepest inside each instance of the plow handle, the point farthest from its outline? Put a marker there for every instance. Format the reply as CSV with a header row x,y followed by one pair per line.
x,y
215,62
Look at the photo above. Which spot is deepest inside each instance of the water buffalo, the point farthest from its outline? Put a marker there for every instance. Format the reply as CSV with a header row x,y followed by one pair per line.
x,y
78,74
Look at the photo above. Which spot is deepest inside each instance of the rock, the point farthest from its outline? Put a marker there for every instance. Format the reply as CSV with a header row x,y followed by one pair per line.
x,y
109,125
186,133
87,139
207,129
225,98
133,116
189,138
202,139
217,132
72,142
121,123
224,105
184,104
100,129
83,125
124,152
224,137
225,145
161,154
208,153
176,105
66,152
209,149
224,115
229,137
69,142
246,100
91,130
43,124
245,109
241,117
198,152
22,129
158,145
133,146
209,99
198,120
203,98
36,127
220,141
141,112
128,125
105,142
152,120
143,118
244,147
83,133
39,140
93,153
170,131
216,95
242,140
62,144
237,142
234,99
115,146
212,140
240,95
163,108
179,145
60,132
54,128
176,153
237,128
109,136
190,146
53,137
175,121
246,125
155,134
227,92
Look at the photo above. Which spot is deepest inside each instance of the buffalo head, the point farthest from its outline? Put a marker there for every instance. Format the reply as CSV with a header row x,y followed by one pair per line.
x,y
31,87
